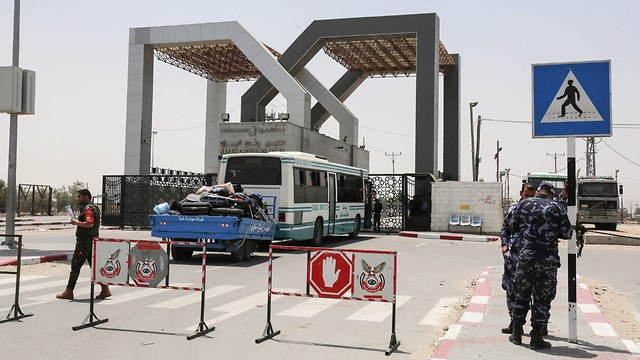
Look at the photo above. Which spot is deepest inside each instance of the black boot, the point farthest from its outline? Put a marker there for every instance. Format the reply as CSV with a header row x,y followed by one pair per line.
x,y
537,342
508,329
516,337
544,331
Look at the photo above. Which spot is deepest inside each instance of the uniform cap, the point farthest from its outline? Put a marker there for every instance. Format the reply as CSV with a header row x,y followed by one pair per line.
x,y
545,185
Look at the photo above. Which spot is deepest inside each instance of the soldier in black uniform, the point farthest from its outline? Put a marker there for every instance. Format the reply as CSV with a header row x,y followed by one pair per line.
x,y
88,223
539,221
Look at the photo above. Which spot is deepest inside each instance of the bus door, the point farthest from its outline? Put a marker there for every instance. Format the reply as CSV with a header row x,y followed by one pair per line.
x,y
332,203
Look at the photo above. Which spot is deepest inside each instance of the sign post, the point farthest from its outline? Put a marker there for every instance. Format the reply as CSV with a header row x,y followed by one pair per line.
x,y
572,100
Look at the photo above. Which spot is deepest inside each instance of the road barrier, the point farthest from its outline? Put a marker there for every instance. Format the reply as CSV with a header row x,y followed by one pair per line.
x,y
15,313
147,266
363,276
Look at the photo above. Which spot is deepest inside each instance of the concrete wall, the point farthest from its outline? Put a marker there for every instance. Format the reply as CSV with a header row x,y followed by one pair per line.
x,y
473,198
283,136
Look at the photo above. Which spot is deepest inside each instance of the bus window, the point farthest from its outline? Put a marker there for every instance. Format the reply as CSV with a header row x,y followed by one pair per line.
x,y
254,170
310,186
350,188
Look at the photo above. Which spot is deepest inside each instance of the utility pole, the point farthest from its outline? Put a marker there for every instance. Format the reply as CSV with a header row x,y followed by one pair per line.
x,y
153,145
477,165
497,157
13,137
473,156
393,160
555,161
507,171
591,157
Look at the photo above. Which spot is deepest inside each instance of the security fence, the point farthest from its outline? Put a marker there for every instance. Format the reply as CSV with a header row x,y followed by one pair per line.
x,y
128,200
405,198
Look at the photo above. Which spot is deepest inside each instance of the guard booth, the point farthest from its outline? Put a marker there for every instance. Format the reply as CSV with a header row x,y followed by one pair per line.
x,y
405,198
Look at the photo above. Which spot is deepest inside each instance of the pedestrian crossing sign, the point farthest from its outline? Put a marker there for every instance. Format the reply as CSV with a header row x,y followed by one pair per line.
x,y
571,99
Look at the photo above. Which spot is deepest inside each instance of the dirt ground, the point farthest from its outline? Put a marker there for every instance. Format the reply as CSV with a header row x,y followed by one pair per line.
x,y
617,309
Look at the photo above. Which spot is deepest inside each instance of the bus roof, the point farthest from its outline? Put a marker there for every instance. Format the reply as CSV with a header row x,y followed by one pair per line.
x,y
297,155
544,175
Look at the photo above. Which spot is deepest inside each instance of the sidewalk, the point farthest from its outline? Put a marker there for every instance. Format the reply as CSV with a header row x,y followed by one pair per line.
x,y
477,334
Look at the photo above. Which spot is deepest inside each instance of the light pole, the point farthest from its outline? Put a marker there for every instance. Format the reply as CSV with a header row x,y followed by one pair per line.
x,y
477,166
506,171
153,146
473,156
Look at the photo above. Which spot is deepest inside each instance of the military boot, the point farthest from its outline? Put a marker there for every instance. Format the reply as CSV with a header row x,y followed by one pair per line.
x,y
544,331
516,337
508,329
67,294
537,342
104,292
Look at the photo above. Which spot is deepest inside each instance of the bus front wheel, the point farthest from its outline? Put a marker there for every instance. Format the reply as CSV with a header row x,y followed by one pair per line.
x,y
317,233
356,228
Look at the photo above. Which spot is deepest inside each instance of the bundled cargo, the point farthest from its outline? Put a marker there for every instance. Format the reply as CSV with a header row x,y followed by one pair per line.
x,y
220,200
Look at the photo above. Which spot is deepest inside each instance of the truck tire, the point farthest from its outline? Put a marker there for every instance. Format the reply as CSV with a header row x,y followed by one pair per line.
x,y
249,246
613,227
239,256
601,226
181,254
318,230
356,228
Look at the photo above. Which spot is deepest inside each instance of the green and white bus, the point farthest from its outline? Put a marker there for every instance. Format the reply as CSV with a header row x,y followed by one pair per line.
x,y
311,196
557,180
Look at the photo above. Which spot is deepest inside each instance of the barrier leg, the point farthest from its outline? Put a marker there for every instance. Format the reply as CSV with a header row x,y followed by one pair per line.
x,y
15,313
393,343
92,319
268,332
202,329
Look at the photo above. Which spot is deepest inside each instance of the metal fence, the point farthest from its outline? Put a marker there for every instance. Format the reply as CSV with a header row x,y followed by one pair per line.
x,y
405,198
34,199
128,200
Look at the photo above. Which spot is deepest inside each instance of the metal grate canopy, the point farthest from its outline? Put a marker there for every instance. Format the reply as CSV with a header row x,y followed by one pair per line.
x,y
382,56
215,62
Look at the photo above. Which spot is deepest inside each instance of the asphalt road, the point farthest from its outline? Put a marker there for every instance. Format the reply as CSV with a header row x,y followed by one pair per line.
x,y
153,323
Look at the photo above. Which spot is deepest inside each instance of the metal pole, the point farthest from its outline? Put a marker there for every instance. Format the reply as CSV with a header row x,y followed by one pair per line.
x,y
473,155
13,136
498,161
572,211
153,146
477,175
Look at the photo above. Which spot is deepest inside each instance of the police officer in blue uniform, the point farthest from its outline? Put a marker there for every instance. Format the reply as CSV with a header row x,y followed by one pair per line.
x,y
539,222
509,245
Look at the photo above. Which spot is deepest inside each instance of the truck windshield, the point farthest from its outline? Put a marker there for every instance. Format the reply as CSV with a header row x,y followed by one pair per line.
x,y
598,189
254,170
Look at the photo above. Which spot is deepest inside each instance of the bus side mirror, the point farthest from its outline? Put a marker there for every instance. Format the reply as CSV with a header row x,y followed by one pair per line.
x,y
620,187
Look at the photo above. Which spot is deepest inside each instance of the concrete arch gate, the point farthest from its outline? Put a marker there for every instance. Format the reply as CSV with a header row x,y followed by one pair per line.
x,y
297,84
425,28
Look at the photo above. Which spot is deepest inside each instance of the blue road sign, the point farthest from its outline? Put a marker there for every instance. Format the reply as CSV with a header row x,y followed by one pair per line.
x,y
571,99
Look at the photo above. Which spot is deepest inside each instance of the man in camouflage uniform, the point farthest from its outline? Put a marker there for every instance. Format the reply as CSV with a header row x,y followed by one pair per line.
x,y
539,222
509,245
88,223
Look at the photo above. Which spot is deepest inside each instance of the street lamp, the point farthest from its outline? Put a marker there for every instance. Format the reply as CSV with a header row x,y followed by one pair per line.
x,y
153,145
473,156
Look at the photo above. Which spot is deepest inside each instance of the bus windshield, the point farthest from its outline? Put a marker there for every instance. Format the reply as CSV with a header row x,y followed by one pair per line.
x,y
556,179
254,170
598,189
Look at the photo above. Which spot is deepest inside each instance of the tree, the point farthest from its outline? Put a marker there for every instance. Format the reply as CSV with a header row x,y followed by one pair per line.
x,y
66,195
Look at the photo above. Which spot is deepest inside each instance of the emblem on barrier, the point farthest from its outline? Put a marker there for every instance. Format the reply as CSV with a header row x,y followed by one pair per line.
x,y
372,279
146,270
111,267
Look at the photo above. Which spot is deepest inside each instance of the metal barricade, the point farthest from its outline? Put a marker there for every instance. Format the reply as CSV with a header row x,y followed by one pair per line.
x,y
111,270
15,313
372,284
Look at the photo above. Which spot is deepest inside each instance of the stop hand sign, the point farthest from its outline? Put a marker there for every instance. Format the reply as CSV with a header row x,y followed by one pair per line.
x,y
330,273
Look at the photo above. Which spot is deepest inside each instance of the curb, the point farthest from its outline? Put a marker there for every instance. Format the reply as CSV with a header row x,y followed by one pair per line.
x,y
472,316
446,236
32,260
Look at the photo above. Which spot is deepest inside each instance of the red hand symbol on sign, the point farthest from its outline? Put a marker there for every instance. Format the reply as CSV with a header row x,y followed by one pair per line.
x,y
330,273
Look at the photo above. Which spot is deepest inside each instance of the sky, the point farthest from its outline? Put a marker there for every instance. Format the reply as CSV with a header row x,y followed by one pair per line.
x,y
79,51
